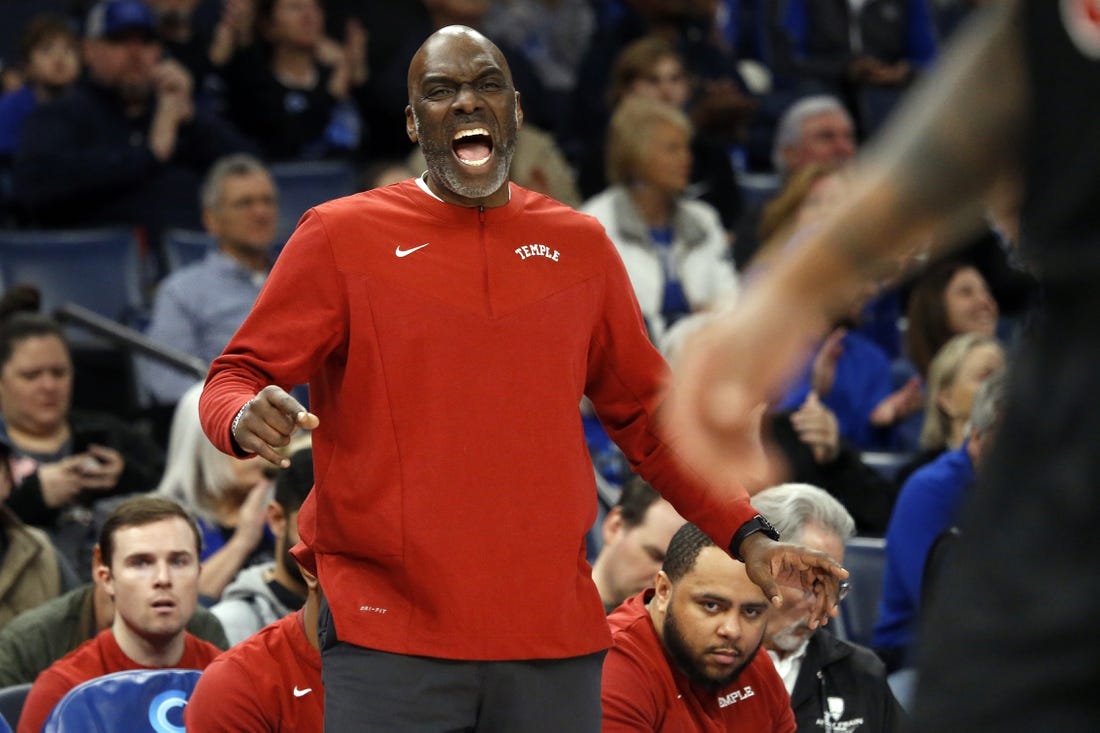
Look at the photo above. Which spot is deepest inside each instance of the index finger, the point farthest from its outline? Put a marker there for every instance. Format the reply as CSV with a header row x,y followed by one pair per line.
x,y
826,591
268,453
290,407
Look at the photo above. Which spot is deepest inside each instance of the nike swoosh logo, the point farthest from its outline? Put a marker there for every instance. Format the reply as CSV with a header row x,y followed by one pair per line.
x,y
406,252
299,693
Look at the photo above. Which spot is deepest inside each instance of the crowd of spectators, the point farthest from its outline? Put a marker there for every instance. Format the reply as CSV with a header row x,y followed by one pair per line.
x,y
655,117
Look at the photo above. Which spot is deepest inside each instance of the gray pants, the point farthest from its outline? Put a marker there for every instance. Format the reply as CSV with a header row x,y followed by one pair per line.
x,y
370,690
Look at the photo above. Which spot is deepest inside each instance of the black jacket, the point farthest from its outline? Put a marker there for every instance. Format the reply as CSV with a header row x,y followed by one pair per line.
x,y
141,473
868,496
848,680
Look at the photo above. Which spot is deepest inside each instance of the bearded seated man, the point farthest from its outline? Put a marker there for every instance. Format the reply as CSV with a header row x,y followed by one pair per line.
x,y
684,654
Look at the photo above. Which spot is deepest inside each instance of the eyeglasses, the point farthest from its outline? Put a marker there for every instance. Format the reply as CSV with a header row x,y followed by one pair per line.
x,y
843,588
248,202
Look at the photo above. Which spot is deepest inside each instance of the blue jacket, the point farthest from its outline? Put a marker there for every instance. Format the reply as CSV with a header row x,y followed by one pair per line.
x,y
14,109
863,379
928,505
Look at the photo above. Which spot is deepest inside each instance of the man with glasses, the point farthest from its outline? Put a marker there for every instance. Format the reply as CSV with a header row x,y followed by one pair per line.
x,y
834,684
199,307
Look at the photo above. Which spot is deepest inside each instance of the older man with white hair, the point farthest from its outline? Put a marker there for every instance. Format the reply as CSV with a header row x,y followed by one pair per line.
x,y
813,130
833,684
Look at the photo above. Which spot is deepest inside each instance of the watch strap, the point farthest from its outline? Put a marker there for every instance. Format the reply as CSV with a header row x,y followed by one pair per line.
x,y
756,524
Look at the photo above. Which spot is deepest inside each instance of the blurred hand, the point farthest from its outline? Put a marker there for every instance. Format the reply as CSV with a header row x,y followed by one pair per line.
x,y
174,106
355,52
897,405
252,516
240,17
861,68
725,370
62,480
722,109
174,86
233,30
817,427
348,60
824,369
890,75
101,468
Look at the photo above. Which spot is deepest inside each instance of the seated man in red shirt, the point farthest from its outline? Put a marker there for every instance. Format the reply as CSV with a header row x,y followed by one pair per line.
x,y
271,681
150,567
684,654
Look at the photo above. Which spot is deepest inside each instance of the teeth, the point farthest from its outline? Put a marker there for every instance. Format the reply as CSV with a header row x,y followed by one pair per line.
x,y
475,163
467,133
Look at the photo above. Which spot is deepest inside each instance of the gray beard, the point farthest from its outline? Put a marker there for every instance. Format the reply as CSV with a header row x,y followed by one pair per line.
x,y
442,165
787,639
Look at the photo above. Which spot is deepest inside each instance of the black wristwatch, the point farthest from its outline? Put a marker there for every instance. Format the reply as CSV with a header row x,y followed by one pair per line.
x,y
756,524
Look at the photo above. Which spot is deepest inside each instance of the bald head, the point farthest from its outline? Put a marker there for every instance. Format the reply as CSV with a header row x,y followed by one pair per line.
x,y
448,45
464,112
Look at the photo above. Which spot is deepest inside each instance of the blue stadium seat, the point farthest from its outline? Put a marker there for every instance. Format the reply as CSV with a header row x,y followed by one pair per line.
x,y
184,246
865,559
99,269
11,704
306,184
149,700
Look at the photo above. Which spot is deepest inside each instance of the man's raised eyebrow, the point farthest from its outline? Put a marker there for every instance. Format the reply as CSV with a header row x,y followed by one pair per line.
x,y
438,77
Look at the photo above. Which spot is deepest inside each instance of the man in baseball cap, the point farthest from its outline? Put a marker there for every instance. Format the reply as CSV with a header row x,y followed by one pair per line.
x,y
118,19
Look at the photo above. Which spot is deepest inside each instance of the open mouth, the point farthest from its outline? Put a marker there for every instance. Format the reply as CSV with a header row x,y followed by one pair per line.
x,y
473,147
164,605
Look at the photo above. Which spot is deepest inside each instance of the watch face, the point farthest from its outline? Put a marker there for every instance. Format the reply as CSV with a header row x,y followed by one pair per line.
x,y
766,527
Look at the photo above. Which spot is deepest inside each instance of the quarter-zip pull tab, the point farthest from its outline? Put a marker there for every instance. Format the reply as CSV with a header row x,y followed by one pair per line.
x,y
481,213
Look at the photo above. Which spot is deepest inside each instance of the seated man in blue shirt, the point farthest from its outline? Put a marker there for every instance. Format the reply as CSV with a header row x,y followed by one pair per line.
x,y
199,307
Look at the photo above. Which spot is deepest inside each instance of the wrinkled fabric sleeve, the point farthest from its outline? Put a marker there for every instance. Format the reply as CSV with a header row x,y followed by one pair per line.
x,y
299,319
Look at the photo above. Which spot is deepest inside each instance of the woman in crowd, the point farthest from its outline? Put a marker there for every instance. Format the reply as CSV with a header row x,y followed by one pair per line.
x,y
288,87
949,298
62,460
674,248
31,571
651,68
228,496
954,376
